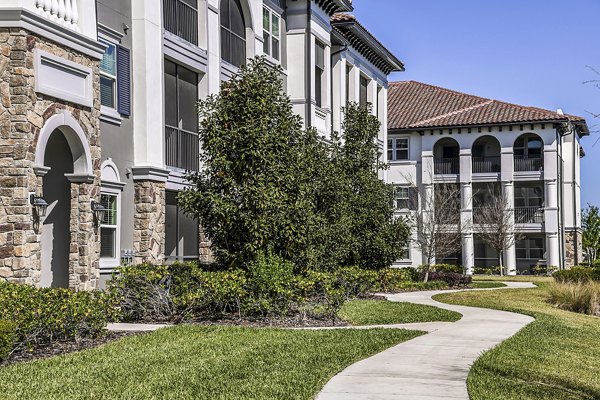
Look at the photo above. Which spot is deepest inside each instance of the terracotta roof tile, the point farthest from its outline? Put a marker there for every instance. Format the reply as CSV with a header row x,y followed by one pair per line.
x,y
414,105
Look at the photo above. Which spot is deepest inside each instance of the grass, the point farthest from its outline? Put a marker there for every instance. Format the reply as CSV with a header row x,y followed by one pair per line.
x,y
581,297
556,357
188,362
513,278
381,312
486,285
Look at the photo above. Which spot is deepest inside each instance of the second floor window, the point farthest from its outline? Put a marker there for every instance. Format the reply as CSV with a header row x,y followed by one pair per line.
x,y
108,76
397,149
319,72
364,88
401,197
181,19
271,34
233,33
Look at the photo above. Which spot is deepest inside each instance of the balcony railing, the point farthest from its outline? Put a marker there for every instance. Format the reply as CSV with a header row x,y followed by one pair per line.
x,y
63,12
528,163
181,19
182,149
446,166
529,215
483,165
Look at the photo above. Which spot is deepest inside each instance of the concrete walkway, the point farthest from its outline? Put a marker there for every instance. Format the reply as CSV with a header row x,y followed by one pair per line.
x,y
432,366
125,327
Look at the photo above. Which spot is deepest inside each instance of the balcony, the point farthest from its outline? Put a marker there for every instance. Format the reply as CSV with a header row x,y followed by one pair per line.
x,y
529,215
485,165
446,166
529,163
181,149
181,19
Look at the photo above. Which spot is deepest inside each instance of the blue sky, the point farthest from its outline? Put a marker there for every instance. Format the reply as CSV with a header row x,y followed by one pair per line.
x,y
529,52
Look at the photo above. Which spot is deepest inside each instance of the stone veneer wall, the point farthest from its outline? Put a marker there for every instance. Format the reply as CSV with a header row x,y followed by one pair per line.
x,y
23,113
570,248
149,222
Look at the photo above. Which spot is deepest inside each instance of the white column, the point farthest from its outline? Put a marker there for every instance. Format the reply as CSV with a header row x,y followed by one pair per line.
x,y
428,213
468,250
354,81
213,43
148,91
507,164
552,249
510,256
339,93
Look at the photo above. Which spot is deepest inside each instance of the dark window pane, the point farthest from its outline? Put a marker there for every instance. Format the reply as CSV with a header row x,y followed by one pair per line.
x,y
320,55
171,225
188,236
401,154
107,91
107,242
171,118
237,18
188,96
318,86
275,49
364,84
266,41
225,13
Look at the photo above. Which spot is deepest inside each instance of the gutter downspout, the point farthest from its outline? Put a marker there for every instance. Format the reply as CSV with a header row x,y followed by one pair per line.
x,y
574,192
308,65
559,166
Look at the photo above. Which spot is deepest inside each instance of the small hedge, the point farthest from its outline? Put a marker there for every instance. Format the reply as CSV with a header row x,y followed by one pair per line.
x,y
46,315
577,274
452,279
457,269
7,338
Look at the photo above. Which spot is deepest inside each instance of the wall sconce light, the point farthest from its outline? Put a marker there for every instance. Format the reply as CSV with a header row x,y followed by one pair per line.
x,y
39,205
98,209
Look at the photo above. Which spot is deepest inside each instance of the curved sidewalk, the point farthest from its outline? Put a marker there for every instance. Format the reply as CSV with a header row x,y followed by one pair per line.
x,y
432,366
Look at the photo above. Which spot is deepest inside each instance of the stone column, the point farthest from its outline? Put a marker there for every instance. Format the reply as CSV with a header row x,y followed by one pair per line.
x,y
510,260
149,221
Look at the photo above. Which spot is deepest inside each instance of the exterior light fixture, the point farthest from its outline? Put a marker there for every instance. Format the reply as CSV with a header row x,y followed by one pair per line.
x,y
98,209
39,205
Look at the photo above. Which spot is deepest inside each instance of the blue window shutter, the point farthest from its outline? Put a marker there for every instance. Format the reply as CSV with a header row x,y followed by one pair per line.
x,y
124,80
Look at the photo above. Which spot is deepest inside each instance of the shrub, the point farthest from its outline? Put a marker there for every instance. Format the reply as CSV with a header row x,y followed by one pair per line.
x,y
7,338
577,274
442,268
45,315
581,297
453,279
395,279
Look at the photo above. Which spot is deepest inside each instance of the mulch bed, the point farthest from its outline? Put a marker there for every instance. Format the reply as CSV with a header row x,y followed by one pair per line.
x,y
58,348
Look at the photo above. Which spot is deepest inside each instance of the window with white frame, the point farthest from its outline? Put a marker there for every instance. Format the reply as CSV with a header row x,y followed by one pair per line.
x,y
271,34
531,248
405,251
397,149
109,226
401,197
108,76
319,72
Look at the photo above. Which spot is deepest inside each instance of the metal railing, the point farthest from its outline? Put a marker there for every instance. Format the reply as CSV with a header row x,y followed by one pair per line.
x,y
528,163
181,19
446,166
529,215
181,149
482,165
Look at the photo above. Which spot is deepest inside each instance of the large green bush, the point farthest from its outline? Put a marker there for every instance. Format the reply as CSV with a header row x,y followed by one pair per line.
x,y
577,274
7,338
45,315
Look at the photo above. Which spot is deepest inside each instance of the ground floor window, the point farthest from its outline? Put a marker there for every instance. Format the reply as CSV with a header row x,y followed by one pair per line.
x,y
485,255
181,232
531,248
109,226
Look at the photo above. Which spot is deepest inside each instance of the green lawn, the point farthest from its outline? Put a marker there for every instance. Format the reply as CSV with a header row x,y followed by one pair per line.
x,y
381,312
513,278
189,362
557,357
486,284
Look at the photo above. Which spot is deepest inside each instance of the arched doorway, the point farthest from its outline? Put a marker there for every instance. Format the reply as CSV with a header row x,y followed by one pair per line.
x,y
63,161
56,235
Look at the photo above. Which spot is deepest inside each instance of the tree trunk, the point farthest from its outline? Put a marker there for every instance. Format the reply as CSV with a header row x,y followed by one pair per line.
x,y
501,264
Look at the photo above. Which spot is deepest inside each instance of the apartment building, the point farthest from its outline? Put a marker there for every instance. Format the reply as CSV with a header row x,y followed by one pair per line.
x,y
98,122
481,147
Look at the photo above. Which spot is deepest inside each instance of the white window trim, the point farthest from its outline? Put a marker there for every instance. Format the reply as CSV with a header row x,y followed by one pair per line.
x,y
115,189
110,114
393,149
398,186
269,55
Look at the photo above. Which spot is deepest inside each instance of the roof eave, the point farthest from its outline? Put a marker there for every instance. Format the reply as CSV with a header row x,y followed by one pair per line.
x,y
467,126
394,63
335,6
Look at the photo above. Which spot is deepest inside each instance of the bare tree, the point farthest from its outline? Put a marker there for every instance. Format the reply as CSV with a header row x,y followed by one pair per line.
x,y
497,225
437,222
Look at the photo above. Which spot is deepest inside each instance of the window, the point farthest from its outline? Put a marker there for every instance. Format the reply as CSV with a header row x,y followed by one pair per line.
x,y
108,227
405,250
398,149
108,76
181,232
181,119
271,34
181,19
529,196
115,79
401,197
348,80
529,145
233,33
364,86
532,248
319,72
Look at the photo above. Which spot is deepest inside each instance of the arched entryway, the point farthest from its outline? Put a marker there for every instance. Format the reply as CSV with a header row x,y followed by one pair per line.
x,y
63,161
56,235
